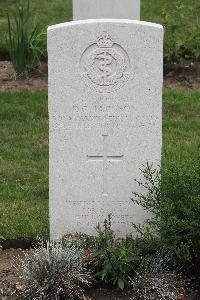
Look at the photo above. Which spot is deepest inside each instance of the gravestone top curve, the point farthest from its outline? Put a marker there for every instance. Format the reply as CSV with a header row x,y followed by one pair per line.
x,y
93,21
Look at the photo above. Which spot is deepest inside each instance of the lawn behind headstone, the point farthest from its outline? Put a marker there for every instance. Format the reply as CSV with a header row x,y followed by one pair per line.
x,y
24,154
53,12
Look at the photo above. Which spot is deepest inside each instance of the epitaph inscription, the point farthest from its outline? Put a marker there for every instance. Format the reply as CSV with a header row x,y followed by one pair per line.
x,y
105,65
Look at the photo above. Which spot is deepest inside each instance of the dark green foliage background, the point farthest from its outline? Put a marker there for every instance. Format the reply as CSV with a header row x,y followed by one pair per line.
x,y
180,18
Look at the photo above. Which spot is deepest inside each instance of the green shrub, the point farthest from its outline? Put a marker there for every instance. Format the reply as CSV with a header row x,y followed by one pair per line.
x,y
127,263
25,41
182,41
114,261
54,272
174,202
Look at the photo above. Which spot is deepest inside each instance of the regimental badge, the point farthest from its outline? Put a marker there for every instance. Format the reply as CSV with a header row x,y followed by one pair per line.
x,y
105,65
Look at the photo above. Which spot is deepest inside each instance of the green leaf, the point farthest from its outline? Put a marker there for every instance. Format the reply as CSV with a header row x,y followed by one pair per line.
x,y
121,283
2,238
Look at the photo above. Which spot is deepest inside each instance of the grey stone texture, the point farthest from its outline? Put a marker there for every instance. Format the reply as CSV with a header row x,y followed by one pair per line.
x,y
97,9
105,120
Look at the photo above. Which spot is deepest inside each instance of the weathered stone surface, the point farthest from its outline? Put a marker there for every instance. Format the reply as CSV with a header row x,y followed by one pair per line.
x,y
114,9
105,116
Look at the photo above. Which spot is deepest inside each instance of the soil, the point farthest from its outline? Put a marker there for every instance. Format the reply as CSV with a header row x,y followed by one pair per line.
x,y
188,78
11,284
36,80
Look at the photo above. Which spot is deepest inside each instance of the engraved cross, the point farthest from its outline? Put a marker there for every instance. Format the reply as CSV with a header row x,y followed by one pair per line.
x,y
105,158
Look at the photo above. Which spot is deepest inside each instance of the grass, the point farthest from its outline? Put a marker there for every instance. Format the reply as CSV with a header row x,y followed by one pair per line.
x,y
50,12
24,164
24,154
181,123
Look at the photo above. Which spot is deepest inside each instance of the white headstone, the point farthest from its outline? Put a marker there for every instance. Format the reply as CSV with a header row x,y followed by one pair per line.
x,y
98,9
105,119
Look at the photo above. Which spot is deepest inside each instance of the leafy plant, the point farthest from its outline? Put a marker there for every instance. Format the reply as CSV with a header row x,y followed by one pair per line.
x,y
114,260
1,237
25,40
182,41
174,202
54,272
